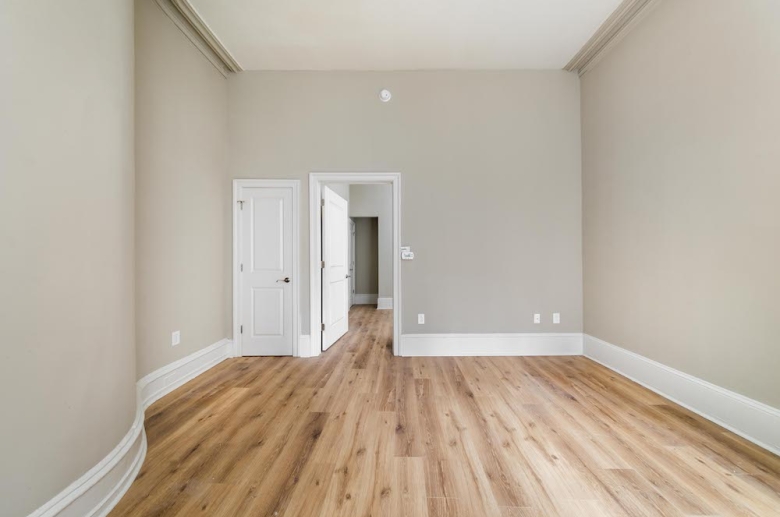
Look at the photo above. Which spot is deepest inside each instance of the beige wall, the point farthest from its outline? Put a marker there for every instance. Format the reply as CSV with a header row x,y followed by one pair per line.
x,y
366,255
377,201
681,216
67,360
491,183
182,201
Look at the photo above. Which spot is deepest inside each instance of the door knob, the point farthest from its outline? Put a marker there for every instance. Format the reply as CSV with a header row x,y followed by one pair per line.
x,y
286,280
349,276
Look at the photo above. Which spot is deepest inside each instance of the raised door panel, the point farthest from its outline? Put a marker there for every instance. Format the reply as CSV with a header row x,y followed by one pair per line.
x,y
267,234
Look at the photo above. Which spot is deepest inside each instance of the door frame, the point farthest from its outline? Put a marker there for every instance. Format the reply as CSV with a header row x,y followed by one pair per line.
x,y
316,181
238,184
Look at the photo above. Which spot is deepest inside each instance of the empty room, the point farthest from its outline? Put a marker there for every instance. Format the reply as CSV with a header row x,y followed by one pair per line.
x,y
447,258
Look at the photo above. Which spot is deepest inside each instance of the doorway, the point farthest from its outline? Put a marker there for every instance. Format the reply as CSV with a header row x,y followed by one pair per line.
x,y
366,260
320,185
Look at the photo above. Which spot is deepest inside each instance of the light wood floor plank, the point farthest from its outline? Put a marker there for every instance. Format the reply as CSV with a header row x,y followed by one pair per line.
x,y
358,432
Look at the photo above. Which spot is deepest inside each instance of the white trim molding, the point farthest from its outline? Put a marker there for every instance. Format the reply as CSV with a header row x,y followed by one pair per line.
x,y
365,299
384,303
159,383
752,420
620,22
96,492
522,344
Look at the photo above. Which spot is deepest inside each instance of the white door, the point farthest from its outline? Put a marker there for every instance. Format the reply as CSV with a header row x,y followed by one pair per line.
x,y
351,273
335,255
266,268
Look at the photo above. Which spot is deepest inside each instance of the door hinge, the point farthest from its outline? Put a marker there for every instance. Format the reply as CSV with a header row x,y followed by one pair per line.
x,y
240,204
242,329
322,264
323,327
242,268
322,202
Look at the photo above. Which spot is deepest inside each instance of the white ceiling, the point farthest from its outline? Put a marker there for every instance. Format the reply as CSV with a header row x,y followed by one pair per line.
x,y
403,34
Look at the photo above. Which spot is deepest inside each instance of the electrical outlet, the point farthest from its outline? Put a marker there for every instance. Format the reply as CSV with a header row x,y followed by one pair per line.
x,y
176,338
556,317
537,318
421,319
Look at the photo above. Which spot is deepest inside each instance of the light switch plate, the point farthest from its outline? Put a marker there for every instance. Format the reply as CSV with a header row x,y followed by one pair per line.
x,y
556,317
421,319
537,318
407,255
176,338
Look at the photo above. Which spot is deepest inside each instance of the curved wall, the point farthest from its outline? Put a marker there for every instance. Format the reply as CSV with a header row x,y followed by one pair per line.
x,y
67,353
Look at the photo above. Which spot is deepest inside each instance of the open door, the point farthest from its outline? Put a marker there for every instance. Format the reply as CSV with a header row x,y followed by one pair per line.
x,y
335,270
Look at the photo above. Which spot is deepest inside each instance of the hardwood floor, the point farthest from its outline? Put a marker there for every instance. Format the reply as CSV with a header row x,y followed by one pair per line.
x,y
360,432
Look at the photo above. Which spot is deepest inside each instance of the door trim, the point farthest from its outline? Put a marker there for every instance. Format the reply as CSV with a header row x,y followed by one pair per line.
x,y
316,180
296,243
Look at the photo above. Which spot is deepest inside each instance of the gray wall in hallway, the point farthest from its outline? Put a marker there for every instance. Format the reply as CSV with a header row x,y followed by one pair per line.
x,y
366,255
377,201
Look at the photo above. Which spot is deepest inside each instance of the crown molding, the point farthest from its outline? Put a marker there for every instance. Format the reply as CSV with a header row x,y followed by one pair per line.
x,y
619,23
205,32
187,19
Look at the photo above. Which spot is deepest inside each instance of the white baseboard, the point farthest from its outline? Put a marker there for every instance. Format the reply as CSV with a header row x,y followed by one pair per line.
x,y
373,299
384,303
163,381
304,345
365,299
419,345
97,492
746,417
